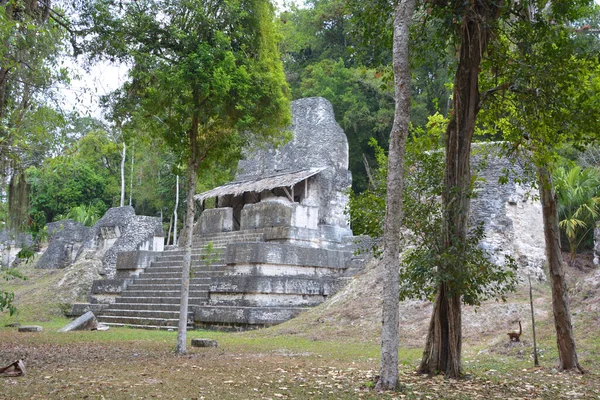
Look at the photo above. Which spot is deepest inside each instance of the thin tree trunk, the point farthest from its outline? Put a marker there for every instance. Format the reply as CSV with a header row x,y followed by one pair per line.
x,y
170,230
188,235
536,362
175,211
388,374
123,155
565,340
444,339
131,175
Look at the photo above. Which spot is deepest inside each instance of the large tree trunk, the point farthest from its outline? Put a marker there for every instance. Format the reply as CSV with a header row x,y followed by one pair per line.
x,y
388,379
444,340
565,340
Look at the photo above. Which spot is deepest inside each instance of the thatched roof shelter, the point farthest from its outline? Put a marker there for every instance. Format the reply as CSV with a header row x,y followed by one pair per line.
x,y
259,184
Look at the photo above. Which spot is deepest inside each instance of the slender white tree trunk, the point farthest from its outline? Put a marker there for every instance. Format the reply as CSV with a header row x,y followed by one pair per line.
x,y
123,155
187,260
175,211
388,374
131,174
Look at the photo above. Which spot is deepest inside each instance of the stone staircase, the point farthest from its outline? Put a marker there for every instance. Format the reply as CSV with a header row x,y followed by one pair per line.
x,y
152,300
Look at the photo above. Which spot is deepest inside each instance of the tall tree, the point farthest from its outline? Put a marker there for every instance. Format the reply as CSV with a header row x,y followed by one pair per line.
x,y
204,74
31,44
549,100
388,376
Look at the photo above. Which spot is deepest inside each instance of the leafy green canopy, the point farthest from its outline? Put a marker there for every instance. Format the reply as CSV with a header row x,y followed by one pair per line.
x,y
210,69
341,50
86,174
425,263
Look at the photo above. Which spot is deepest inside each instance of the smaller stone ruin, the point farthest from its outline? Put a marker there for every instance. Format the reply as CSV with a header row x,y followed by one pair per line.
x,y
65,241
11,244
119,230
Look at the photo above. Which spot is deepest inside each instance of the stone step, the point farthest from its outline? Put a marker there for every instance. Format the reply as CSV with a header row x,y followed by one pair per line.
x,y
135,326
198,300
179,263
129,321
177,274
146,314
260,316
167,287
198,279
144,306
163,293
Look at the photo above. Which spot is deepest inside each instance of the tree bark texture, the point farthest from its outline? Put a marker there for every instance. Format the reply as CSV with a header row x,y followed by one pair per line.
x,y
388,375
565,339
188,238
442,352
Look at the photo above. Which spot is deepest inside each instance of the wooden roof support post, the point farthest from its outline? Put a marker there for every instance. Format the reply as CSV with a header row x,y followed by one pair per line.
x,y
288,194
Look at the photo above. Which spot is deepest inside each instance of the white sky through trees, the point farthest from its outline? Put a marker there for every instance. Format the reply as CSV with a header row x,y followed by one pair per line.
x,y
83,93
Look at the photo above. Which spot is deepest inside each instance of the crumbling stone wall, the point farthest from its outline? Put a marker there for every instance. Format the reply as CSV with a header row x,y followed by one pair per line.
x,y
65,239
117,231
121,230
510,213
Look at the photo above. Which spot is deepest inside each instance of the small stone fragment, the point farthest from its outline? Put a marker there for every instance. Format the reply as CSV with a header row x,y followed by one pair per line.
x,y
102,327
204,343
86,322
12,325
30,328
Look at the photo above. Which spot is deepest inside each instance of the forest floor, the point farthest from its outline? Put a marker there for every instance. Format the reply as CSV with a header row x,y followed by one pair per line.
x,y
329,352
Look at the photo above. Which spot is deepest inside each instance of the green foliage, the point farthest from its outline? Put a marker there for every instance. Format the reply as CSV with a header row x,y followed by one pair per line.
x,y
464,267
85,175
203,76
7,298
579,204
342,51
86,215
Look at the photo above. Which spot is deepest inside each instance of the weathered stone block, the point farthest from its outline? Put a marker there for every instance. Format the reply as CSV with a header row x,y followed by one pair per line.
x,y
216,220
66,239
110,286
245,315
286,254
132,261
86,322
30,328
204,343
267,214
78,309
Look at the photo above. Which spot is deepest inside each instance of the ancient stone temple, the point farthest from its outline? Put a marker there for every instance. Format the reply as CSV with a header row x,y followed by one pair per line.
x,y
299,189
277,242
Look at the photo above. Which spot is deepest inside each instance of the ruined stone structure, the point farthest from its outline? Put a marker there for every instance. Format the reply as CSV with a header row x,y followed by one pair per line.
x,y
118,230
510,213
11,244
65,239
278,240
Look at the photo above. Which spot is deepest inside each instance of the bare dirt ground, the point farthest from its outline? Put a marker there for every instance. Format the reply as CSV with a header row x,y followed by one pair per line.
x,y
330,352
